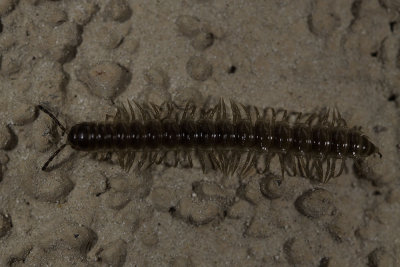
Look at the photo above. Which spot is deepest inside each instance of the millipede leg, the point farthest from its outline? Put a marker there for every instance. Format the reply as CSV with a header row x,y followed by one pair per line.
x,y
250,164
267,162
319,169
244,166
341,121
109,117
290,165
142,160
342,167
142,111
121,159
282,163
323,120
155,111
200,156
125,114
332,171
224,116
235,112
176,160
214,162
133,116
235,162
129,160
187,106
328,169
300,165
161,158
152,158
309,167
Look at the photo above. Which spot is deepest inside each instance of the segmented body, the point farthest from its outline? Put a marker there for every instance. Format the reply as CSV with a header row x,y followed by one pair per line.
x,y
233,140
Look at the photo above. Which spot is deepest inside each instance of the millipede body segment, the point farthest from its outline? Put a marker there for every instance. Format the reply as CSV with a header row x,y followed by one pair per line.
x,y
233,140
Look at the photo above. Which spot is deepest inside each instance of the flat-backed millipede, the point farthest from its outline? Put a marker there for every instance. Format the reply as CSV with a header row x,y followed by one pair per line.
x,y
233,140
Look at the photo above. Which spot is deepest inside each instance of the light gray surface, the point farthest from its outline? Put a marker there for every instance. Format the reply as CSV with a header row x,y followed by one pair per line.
x,y
75,56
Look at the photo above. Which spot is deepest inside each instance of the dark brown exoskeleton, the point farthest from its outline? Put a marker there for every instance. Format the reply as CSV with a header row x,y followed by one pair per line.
x,y
308,147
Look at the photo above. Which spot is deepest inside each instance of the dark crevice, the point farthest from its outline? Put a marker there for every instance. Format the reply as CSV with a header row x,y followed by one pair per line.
x,y
1,26
392,24
355,8
377,193
392,97
374,54
232,69
172,210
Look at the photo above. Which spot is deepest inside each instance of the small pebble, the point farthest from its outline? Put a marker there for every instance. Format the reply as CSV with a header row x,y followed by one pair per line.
x,y
393,196
298,251
106,79
372,169
6,6
69,235
181,261
341,228
199,68
97,184
252,191
5,137
5,224
212,191
323,20
50,81
83,11
182,95
119,194
189,26
130,44
23,114
156,77
315,203
156,95
52,14
271,186
368,232
61,44
241,209
116,200
4,159
11,62
37,256
128,219
45,133
198,212
260,225
113,253
109,36
148,236
48,187
118,10
380,258
202,41
162,198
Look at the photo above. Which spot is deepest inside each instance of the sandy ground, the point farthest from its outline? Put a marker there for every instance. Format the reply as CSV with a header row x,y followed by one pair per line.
x,y
80,57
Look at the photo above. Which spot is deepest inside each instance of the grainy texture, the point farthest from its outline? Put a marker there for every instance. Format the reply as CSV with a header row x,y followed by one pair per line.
x,y
298,55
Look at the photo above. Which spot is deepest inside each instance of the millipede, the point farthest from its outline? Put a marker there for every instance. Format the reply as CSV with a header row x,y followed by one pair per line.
x,y
233,138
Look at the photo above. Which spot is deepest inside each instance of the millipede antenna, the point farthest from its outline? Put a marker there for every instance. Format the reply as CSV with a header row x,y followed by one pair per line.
x,y
53,156
63,129
53,118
